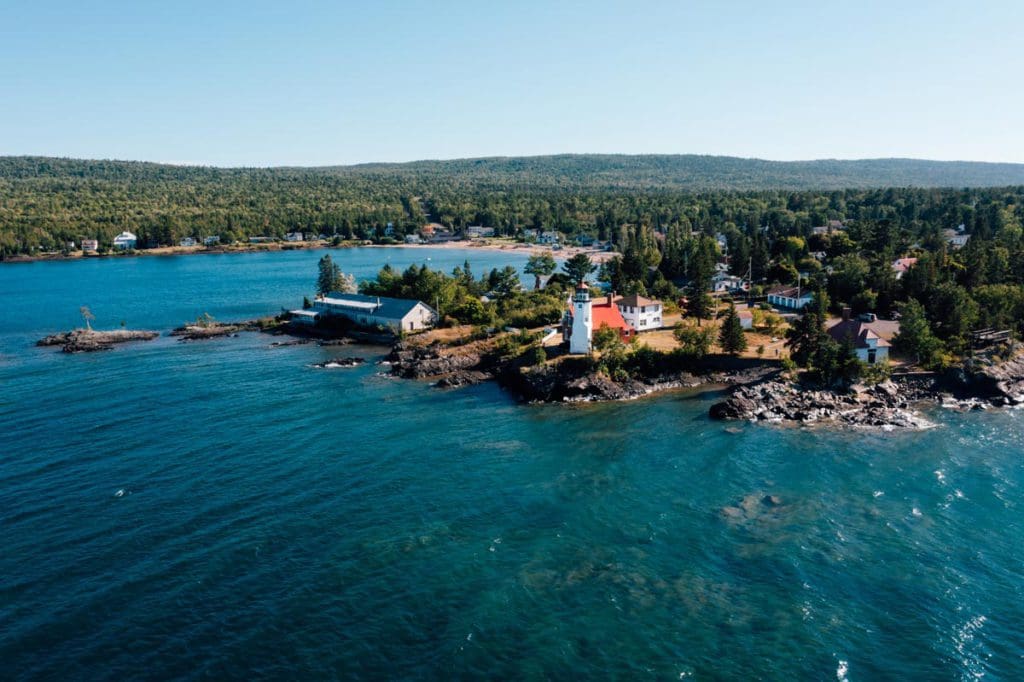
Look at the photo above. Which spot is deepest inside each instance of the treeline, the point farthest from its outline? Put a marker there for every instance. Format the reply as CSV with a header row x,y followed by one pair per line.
x,y
46,203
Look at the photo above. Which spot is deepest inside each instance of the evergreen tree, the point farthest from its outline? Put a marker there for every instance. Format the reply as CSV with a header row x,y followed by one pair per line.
x,y
540,265
579,267
730,336
915,338
329,276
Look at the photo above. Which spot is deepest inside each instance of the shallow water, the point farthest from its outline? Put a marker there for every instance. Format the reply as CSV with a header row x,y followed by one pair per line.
x,y
223,510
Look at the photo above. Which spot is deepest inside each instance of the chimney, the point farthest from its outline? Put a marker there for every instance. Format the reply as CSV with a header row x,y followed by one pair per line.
x,y
611,299
846,314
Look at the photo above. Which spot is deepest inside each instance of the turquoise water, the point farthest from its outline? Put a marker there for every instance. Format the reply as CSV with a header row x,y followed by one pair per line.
x,y
223,510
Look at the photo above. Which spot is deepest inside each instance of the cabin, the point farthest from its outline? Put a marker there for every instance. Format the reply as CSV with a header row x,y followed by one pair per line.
x,y
187,241
397,314
746,319
792,298
294,237
90,245
125,240
212,240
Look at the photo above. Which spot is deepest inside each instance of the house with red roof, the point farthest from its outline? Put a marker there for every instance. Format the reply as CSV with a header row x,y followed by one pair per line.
x,y
902,265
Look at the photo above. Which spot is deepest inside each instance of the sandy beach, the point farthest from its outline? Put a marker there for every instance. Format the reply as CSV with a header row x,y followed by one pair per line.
x,y
463,244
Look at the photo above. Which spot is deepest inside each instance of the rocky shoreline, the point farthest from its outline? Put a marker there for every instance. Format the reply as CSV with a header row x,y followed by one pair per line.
x,y
760,392
983,383
571,380
91,341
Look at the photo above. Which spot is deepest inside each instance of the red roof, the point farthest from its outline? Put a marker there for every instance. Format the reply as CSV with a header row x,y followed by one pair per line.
x,y
609,315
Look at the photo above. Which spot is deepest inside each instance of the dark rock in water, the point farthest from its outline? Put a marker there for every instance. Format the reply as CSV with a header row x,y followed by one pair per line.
x,y
771,500
292,342
338,363
334,342
462,378
420,362
90,341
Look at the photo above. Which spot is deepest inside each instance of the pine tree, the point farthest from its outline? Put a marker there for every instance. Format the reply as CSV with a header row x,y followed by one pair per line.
x,y
730,336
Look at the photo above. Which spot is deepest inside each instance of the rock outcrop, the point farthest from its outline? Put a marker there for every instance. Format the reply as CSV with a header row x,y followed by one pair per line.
x,y
90,340
880,406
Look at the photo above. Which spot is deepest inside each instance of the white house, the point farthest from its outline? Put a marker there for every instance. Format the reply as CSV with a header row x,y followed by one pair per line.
x,y
641,313
722,283
187,241
125,240
478,231
789,297
294,237
547,237
399,314
413,239
868,343
212,240
90,245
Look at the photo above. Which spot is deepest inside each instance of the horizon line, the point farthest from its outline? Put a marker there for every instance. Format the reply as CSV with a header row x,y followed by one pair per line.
x,y
201,164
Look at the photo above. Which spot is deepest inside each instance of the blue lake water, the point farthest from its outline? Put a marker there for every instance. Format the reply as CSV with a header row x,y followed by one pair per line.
x,y
221,510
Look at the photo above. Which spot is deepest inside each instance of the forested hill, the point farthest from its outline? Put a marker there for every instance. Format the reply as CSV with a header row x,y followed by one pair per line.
x,y
45,203
692,172
582,171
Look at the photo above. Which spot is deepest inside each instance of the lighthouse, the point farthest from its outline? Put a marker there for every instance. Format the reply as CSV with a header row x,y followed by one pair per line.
x,y
582,322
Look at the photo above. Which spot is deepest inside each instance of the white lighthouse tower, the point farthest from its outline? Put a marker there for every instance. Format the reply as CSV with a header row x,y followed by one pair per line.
x,y
582,322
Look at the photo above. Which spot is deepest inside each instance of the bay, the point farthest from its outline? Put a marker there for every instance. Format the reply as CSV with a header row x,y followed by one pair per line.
x,y
224,510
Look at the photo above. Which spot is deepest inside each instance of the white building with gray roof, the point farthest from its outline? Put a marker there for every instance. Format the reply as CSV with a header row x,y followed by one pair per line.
x,y
398,314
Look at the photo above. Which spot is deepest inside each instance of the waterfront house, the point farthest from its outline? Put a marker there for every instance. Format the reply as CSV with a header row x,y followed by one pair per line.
x,y
413,239
90,245
125,240
870,339
294,237
187,241
478,231
398,314
212,240
792,298
547,237
640,313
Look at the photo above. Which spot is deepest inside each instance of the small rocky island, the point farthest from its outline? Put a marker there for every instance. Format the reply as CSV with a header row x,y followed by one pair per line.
x,y
91,340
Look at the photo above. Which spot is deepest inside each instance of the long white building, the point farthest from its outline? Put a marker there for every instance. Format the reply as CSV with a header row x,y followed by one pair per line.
x,y
398,314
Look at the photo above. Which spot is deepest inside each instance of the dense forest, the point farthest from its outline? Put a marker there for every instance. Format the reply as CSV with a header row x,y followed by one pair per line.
x,y
47,202
673,235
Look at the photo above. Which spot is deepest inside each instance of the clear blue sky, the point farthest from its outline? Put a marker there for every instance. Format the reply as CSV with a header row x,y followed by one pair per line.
x,y
316,83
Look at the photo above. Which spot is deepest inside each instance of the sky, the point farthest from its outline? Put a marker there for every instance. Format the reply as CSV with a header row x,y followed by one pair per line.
x,y
323,83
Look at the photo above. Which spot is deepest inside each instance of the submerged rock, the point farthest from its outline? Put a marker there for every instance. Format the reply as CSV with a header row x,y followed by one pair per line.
x,y
338,363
